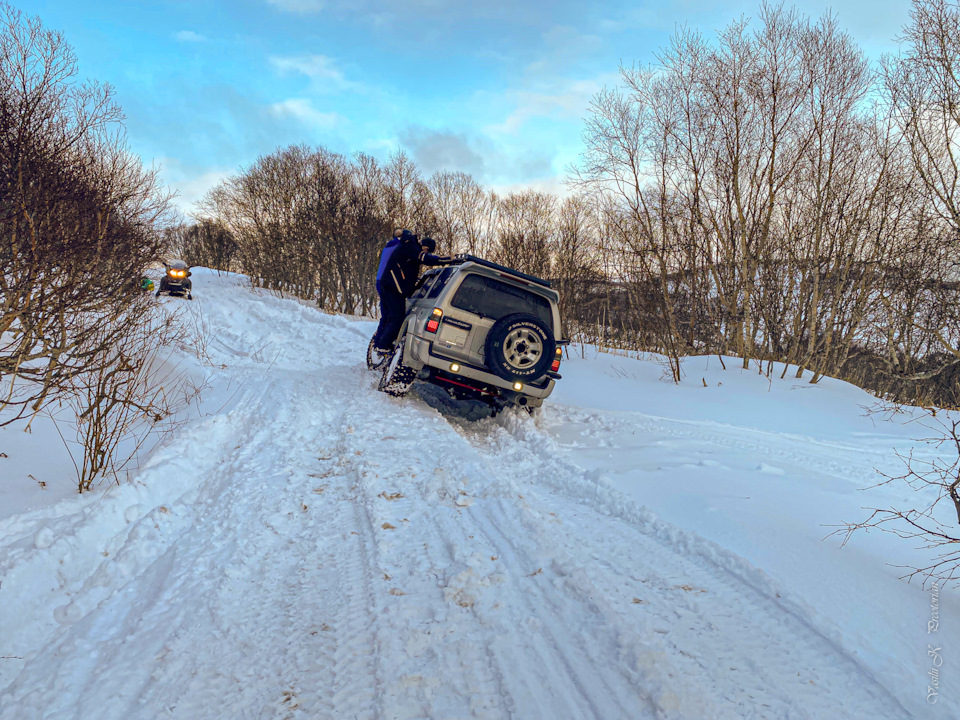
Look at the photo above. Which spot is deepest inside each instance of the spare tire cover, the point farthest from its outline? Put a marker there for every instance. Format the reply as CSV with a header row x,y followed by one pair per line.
x,y
519,347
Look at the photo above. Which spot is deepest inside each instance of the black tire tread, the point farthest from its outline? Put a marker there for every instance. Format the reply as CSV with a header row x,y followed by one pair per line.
x,y
398,382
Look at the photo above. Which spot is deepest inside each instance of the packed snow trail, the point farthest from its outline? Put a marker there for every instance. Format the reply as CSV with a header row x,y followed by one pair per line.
x,y
341,554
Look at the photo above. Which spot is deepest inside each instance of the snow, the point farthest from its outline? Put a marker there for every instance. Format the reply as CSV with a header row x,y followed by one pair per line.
x,y
302,546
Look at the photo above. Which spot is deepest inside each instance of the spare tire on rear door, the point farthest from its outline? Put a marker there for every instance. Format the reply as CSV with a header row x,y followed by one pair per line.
x,y
519,347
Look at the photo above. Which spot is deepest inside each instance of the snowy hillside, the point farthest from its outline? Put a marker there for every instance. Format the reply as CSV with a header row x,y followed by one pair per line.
x,y
306,547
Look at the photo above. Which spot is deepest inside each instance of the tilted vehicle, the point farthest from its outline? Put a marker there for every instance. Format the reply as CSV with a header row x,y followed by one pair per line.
x,y
481,331
176,279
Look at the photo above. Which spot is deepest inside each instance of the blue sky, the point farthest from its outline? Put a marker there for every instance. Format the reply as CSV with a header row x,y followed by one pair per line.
x,y
498,89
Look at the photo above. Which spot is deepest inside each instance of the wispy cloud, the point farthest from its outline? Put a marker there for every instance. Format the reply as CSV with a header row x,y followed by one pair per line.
x,y
569,103
189,36
554,184
303,110
322,71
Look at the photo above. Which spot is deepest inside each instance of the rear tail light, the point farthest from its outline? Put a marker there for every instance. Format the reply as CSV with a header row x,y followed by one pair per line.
x,y
555,367
434,322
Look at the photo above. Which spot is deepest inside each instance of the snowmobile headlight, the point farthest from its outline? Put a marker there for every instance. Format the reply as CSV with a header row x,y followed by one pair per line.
x,y
178,273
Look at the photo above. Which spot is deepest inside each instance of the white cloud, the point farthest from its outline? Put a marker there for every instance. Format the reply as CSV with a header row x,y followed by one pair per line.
x,y
190,182
189,36
571,103
320,69
191,191
313,66
303,110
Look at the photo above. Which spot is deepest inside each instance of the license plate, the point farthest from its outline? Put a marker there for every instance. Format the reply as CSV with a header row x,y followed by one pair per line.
x,y
450,335
453,332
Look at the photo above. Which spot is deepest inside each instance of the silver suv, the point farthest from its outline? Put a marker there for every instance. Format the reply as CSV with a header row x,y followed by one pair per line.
x,y
481,331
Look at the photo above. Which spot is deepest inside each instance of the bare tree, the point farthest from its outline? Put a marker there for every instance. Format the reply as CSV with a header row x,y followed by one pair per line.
x,y
444,188
474,211
310,222
576,266
923,84
759,191
400,174
524,224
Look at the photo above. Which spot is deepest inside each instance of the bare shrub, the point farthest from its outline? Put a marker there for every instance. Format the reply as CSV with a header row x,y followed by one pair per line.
x,y
77,212
124,400
935,525
205,244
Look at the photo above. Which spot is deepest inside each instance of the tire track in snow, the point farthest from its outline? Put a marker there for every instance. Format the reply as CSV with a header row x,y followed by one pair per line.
x,y
680,561
247,605
215,626
576,664
432,661
550,655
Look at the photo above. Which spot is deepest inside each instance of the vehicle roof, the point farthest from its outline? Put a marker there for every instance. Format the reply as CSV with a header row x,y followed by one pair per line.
x,y
501,273
505,269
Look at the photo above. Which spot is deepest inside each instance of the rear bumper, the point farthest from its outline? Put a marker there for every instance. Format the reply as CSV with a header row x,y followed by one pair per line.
x,y
425,351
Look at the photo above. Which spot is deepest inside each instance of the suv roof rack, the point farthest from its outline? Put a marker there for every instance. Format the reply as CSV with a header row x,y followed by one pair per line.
x,y
502,268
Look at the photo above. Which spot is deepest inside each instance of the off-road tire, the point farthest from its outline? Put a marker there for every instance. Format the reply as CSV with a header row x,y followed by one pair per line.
x,y
397,377
519,347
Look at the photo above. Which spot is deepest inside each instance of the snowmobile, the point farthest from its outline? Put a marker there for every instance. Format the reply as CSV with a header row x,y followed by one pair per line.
x,y
176,279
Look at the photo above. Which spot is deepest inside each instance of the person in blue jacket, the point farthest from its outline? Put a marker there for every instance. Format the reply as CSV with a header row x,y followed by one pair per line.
x,y
397,274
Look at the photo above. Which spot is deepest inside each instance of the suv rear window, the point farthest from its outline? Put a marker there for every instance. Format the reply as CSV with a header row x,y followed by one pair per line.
x,y
492,298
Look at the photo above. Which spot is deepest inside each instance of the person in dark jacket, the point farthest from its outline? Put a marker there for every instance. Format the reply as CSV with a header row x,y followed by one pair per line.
x,y
397,275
